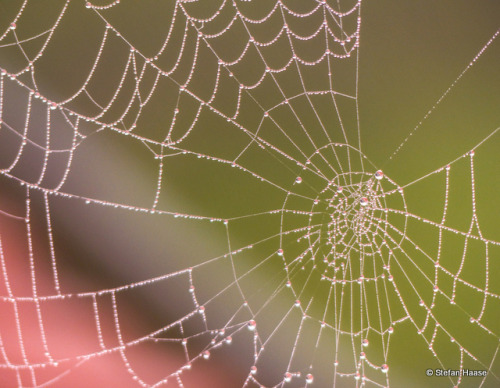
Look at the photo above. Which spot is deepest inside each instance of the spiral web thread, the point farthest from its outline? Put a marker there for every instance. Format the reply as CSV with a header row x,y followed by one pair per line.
x,y
341,267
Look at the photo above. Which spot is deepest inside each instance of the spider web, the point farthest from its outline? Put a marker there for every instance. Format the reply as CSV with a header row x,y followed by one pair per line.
x,y
202,162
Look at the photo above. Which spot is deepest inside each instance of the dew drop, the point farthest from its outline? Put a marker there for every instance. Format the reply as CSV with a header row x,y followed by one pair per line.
x,y
288,377
390,330
252,325
229,340
365,342
362,355
309,378
297,303
364,201
289,284
379,175
253,370
201,310
206,354
385,368
280,252
339,189
421,303
13,26
298,180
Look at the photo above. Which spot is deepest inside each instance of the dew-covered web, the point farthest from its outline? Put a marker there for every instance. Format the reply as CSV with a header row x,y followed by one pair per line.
x,y
204,161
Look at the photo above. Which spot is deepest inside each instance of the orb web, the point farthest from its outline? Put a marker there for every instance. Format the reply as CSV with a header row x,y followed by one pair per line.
x,y
186,198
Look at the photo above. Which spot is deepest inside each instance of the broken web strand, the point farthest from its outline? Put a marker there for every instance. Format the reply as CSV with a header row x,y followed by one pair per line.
x,y
445,94
113,126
